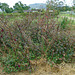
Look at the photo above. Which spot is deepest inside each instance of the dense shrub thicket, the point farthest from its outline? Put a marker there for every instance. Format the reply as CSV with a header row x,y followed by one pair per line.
x,y
30,39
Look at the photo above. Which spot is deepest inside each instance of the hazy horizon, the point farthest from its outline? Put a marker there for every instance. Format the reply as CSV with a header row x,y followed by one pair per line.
x,y
11,3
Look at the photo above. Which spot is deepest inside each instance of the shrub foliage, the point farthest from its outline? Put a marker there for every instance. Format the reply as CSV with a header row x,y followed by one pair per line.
x,y
31,38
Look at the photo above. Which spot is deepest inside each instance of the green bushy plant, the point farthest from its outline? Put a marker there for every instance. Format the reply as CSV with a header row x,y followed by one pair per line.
x,y
61,50
64,23
30,38
14,63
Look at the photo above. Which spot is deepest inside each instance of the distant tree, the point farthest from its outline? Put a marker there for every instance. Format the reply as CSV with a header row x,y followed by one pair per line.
x,y
33,9
9,10
74,2
61,3
0,5
4,6
73,7
54,4
20,7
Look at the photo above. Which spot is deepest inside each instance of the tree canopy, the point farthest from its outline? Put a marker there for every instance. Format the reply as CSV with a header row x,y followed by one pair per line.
x,y
17,7
20,7
4,6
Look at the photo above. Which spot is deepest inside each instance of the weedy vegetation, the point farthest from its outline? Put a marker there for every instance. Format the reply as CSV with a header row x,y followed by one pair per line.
x,y
32,36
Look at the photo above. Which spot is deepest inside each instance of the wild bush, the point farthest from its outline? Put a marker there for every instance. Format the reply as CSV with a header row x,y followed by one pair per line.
x,y
31,38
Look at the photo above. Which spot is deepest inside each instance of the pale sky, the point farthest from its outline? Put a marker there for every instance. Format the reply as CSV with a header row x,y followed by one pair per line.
x,y
27,2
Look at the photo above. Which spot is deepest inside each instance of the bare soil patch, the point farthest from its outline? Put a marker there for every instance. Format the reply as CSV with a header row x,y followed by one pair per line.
x,y
44,68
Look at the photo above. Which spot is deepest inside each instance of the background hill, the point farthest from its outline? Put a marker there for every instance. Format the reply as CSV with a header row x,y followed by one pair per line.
x,y
38,6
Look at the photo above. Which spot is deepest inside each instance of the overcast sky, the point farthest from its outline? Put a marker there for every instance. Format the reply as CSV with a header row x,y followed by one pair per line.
x,y
12,2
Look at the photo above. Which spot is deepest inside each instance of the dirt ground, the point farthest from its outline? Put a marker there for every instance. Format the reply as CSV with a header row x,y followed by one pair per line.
x,y
44,68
